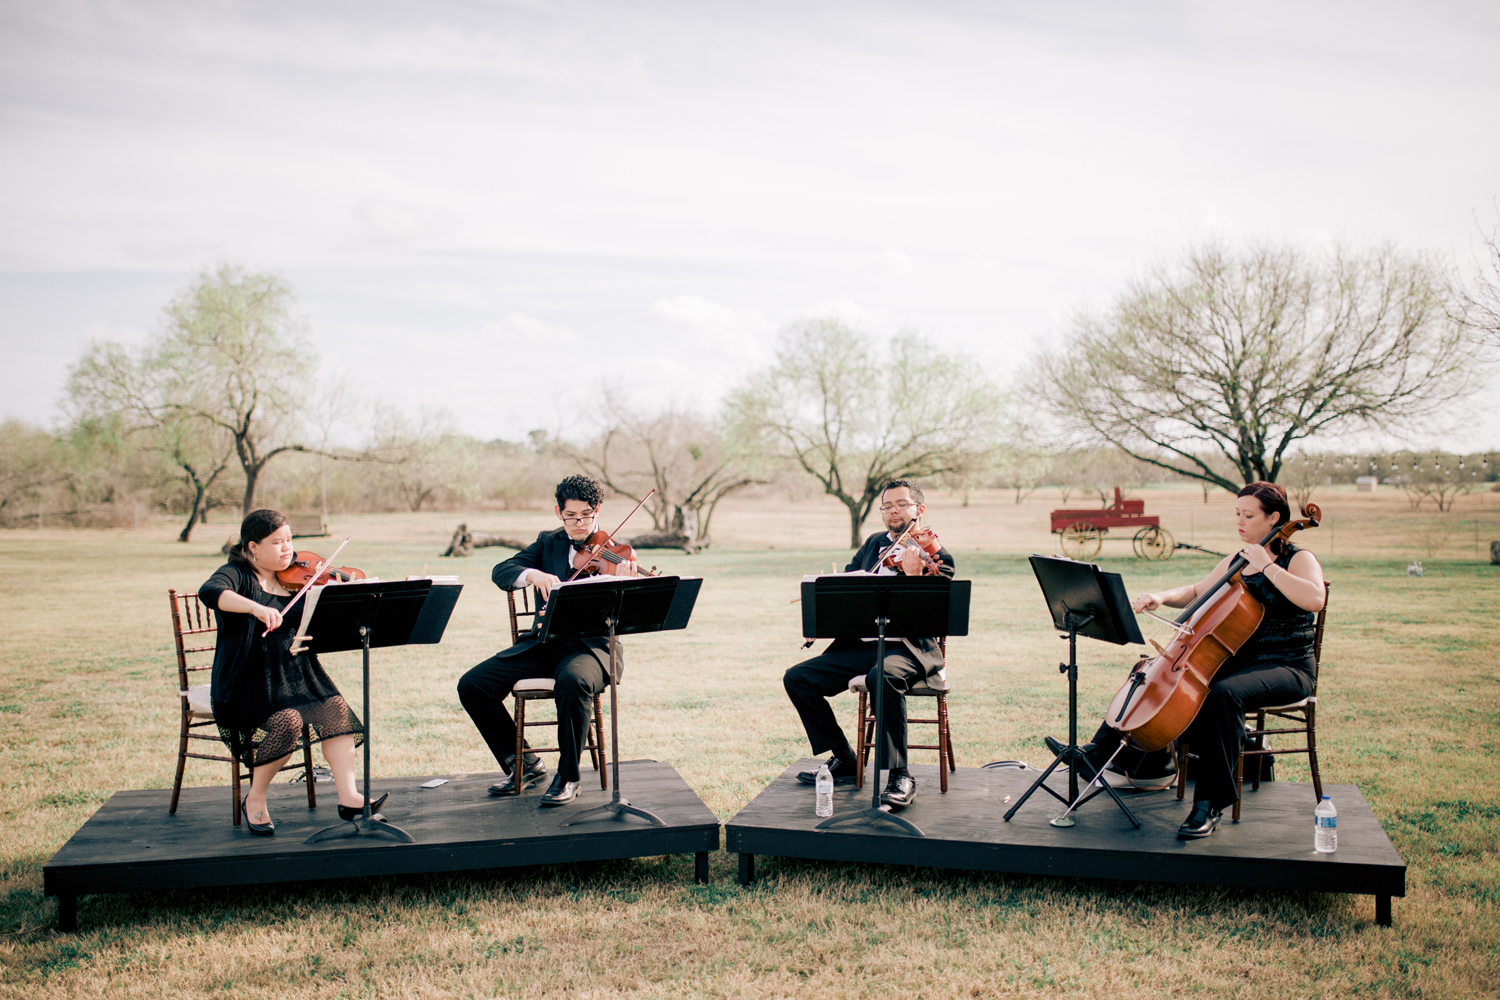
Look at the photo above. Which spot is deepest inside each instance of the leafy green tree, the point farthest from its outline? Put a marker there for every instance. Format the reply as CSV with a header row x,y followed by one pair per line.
x,y
854,416
225,381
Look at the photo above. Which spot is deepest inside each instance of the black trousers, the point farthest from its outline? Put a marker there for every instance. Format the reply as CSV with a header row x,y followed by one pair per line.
x,y
577,677
1215,736
812,682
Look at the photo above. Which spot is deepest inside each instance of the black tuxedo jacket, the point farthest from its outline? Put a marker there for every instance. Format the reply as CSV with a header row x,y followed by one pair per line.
x,y
925,651
552,552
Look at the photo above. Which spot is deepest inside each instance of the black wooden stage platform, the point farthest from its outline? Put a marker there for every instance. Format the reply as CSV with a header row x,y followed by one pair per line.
x,y
131,844
1270,848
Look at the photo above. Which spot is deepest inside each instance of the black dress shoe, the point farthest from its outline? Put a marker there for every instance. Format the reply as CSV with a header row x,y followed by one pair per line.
x,y
841,769
262,829
900,790
559,792
531,774
1092,754
1201,822
355,812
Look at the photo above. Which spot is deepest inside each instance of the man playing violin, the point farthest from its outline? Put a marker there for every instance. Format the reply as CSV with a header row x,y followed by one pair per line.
x,y
1274,667
811,683
579,667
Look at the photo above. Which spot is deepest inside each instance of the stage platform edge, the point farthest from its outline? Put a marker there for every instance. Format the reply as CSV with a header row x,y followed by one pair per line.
x,y
1270,848
131,844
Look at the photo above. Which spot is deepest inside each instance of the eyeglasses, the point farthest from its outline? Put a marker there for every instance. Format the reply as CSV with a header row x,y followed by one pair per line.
x,y
886,508
580,519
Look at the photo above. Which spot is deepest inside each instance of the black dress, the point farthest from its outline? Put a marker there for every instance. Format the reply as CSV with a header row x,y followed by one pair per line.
x,y
262,694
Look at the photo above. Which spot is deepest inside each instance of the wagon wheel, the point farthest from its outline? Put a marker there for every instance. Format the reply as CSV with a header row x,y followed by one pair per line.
x,y
1154,543
1081,540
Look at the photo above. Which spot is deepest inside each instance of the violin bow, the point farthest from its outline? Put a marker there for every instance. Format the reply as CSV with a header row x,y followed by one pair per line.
x,y
308,586
609,539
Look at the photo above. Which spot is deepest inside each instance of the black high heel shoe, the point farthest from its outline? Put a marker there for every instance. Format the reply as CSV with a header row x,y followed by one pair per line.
x,y
263,829
352,813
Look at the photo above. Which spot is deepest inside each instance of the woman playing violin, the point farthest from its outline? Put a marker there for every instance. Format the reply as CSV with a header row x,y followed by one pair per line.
x,y
1275,667
262,693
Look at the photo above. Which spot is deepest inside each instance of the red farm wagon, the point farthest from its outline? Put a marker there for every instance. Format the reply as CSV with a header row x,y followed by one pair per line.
x,y
1084,531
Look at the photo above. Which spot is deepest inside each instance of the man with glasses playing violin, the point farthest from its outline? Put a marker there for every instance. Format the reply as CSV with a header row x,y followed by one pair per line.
x,y
579,667
811,683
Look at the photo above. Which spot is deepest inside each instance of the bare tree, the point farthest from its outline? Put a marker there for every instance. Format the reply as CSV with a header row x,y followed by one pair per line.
x,y
691,463
1479,304
114,386
854,417
1439,477
425,455
1242,355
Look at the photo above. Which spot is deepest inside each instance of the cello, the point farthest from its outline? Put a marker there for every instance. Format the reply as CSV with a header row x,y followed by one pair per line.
x,y
1162,696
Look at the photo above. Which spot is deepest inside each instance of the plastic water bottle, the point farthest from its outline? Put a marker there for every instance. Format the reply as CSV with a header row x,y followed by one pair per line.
x,y
824,785
1325,827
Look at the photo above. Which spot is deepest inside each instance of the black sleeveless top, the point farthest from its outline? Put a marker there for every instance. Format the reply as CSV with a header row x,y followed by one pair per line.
x,y
1286,633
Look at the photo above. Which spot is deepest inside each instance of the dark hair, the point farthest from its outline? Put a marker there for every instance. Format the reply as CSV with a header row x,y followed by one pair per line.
x,y
255,527
896,484
579,488
1272,500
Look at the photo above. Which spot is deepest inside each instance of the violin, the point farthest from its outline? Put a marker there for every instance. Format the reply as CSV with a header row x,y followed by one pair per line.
x,y
928,546
597,555
304,564
1163,695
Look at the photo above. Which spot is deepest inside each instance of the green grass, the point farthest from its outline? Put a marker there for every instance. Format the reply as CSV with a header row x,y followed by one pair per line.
x,y
1409,706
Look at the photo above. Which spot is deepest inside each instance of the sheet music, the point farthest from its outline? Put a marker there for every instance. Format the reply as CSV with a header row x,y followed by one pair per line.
x,y
309,603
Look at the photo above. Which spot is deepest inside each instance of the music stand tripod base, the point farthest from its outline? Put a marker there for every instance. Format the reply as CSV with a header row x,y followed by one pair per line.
x,y
618,807
363,826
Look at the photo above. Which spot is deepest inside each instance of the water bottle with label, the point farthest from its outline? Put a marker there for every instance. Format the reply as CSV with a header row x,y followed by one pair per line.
x,y
1325,827
824,785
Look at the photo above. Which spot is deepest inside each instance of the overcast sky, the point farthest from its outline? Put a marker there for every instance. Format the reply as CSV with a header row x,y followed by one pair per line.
x,y
485,205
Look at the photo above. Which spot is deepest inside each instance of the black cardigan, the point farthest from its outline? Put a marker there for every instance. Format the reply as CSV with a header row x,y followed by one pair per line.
x,y
237,632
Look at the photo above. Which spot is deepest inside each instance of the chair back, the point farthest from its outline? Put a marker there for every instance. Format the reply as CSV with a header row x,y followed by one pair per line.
x,y
526,610
192,624
1317,650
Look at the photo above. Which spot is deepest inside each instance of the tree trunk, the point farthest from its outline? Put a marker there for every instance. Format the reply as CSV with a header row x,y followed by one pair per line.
x,y
856,524
194,514
464,541
252,472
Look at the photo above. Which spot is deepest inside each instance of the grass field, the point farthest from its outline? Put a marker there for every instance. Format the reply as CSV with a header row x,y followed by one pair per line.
x,y
1410,702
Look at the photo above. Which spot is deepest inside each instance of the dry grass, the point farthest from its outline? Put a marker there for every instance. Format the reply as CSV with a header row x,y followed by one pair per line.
x,y
1410,700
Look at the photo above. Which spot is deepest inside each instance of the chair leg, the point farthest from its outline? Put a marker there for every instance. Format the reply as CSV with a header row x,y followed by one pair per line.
x,y
861,750
518,762
943,745
1312,749
599,744
1239,781
234,789
181,765
1182,756
1260,744
307,767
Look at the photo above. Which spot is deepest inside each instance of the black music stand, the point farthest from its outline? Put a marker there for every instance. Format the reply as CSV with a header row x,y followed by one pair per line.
x,y
615,606
846,607
362,616
1083,601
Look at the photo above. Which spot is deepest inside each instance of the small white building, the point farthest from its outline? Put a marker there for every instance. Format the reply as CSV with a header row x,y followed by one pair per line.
x,y
1366,484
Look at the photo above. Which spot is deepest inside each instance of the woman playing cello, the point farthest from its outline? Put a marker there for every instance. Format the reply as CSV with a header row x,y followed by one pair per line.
x,y
262,693
1275,667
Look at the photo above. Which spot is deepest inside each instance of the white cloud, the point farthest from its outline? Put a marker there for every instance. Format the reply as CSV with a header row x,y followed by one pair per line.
x,y
385,220
892,262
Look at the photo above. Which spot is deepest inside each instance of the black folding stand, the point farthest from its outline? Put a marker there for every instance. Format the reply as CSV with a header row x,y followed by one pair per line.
x,y
1083,601
360,616
615,606
845,607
